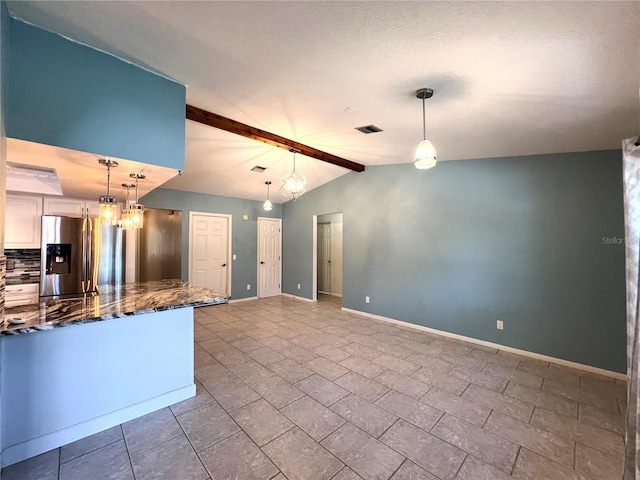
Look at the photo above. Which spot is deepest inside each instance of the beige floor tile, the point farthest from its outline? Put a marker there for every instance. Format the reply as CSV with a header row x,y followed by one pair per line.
x,y
150,430
90,443
237,457
409,386
362,453
332,353
600,418
321,389
325,367
172,459
207,425
531,466
313,417
43,467
233,393
289,370
300,457
362,366
261,421
481,379
251,371
362,386
489,448
546,400
474,469
576,394
580,432
517,376
597,464
442,381
500,402
111,461
277,391
472,412
545,443
364,415
410,471
434,455
420,414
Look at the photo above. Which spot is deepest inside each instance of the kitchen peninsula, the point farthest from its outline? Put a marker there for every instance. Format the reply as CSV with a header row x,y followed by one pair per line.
x,y
79,366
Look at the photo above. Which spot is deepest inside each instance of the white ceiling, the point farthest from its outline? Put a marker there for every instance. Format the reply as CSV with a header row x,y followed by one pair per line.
x,y
510,78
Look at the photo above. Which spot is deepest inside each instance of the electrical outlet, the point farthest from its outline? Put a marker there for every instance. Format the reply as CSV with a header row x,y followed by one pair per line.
x,y
499,325
298,286
248,286
234,256
366,299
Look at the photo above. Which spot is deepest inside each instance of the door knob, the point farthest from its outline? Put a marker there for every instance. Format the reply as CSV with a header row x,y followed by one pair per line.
x,y
328,261
261,263
224,264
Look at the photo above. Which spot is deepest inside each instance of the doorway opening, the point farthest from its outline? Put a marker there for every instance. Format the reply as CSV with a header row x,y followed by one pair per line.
x,y
328,257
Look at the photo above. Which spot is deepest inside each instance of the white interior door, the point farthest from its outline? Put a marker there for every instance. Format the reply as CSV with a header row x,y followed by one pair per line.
x,y
209,251
269,256
324,257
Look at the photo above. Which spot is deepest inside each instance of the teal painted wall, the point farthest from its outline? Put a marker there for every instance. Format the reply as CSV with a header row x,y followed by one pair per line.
x,y
244,232
65,94
456,248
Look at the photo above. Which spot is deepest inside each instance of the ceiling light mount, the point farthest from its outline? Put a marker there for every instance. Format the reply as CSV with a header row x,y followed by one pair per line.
x,y
425,154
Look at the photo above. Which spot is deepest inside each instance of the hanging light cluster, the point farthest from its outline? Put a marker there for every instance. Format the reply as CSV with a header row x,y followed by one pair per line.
x,y
293,185
132,214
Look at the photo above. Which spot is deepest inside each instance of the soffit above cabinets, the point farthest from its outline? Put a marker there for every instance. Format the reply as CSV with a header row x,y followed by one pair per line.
x,y
79,173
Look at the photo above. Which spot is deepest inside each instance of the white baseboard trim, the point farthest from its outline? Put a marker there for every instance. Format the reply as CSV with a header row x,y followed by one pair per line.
x,y
31,448
238,300
524,353
298,298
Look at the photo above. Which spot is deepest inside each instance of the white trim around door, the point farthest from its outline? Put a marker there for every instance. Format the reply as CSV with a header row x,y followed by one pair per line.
x,y
228,262
263,255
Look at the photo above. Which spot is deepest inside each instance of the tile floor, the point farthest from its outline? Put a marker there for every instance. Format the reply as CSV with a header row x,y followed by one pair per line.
x,y
300,391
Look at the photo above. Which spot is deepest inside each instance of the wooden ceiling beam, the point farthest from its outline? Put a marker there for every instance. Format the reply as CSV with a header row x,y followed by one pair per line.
x,y
213,120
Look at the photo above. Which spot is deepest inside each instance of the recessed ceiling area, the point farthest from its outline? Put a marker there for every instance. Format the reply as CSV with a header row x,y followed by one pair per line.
x,y
510,78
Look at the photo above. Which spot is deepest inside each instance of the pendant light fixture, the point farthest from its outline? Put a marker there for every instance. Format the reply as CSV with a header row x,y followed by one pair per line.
x,y
136,210
268,206
108,204
127,220
425,154
293,185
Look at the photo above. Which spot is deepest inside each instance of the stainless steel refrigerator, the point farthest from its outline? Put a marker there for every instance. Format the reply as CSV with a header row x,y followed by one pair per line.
x,y
78,254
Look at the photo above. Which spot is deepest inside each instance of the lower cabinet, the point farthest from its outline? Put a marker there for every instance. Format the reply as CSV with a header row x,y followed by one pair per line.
x,y
25,294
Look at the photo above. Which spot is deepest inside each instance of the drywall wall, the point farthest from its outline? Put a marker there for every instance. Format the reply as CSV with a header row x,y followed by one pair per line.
x,y
534,241
65,94
244,232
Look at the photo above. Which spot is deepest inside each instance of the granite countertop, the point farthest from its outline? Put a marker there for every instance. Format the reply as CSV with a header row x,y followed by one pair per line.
x,y
111,302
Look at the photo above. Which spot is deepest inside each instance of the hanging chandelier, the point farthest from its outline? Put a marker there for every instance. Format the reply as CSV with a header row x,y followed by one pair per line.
x,y
293,185
267,206
425,153
108,204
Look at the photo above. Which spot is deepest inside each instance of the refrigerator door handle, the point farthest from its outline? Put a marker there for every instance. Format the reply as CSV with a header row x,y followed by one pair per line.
x,y
84,256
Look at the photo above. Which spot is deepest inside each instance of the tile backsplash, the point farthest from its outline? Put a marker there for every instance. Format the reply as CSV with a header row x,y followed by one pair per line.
x,y
23,266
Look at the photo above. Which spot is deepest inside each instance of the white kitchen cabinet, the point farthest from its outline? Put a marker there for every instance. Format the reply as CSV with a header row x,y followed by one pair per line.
x,y
71,207
25,294
22,221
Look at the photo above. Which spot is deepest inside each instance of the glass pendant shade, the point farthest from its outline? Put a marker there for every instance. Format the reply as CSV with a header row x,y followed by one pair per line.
x,y
425,155
127,221
293,185
136,210
267,206
108,204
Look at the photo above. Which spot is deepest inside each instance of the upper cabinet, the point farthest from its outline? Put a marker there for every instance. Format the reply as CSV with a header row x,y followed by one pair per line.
x,y
61,93
71,207
22,221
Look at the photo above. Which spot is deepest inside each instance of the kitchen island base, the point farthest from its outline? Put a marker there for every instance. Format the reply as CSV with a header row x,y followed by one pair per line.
x,y
63,384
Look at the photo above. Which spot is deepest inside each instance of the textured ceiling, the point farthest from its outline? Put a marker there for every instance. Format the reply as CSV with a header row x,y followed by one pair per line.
x,y
510,78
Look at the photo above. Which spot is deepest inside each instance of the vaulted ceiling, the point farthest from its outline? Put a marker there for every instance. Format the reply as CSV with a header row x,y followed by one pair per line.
x,y
510,78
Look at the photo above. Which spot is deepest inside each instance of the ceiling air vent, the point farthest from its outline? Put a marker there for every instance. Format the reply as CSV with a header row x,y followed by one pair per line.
x,y
258,169
367,129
